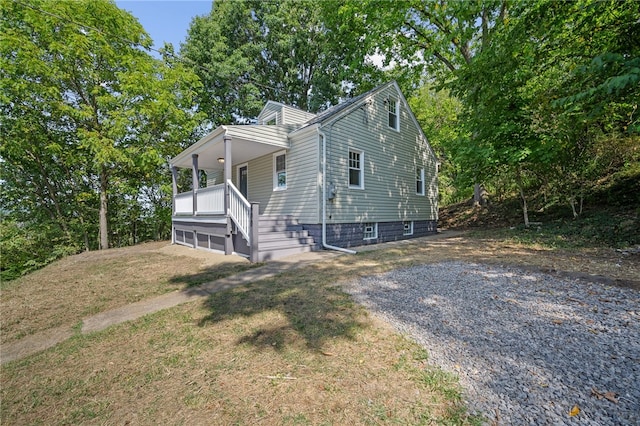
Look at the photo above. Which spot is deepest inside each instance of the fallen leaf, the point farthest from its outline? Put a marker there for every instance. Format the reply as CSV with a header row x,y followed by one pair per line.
x,y
574,411
610,396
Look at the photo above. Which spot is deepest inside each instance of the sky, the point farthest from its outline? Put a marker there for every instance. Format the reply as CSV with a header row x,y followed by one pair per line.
x,y
166,20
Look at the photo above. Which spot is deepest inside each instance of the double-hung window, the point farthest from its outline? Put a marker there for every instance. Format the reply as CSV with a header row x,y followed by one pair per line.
x,y
279,171
356,177
420,181
393,110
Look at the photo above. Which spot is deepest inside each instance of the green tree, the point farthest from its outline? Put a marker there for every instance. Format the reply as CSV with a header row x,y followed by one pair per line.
x,y
548,88
290,51
87,115
554,97
438,113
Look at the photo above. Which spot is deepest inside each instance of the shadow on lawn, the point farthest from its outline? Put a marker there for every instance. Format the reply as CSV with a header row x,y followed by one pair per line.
x,y
213,273
304,302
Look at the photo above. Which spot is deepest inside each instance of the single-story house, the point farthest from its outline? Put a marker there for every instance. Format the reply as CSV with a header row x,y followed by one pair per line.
x,y
361,172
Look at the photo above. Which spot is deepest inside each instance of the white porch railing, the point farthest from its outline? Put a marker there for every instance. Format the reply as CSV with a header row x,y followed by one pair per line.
x,y
184,203
240,211
211,200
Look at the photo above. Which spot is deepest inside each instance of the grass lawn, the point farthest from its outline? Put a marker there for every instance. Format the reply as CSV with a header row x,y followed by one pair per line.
x,y
293,349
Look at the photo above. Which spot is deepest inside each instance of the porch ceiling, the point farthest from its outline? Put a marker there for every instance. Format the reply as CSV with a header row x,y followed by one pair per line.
x,y
247,142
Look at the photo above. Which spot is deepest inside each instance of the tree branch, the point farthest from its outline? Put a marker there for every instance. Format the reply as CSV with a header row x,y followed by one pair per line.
x,y
427,47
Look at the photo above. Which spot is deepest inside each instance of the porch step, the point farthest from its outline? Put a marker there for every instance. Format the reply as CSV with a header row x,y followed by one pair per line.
x,y
279,223
266,255
286,242
281,236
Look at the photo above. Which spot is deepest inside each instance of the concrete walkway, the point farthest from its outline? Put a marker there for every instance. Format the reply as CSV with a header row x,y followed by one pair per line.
x,y
48,338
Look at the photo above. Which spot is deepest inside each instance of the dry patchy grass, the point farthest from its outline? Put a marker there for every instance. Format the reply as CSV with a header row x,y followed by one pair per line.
x,y
291,350
64,292
294,349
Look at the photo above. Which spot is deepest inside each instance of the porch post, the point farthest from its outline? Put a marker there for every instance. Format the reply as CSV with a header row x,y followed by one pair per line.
x,y
174,185
174,182
228,242
254,252
195,182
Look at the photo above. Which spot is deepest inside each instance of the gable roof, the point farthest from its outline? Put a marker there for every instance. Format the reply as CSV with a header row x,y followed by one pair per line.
x,y
267,110
325,116
336,111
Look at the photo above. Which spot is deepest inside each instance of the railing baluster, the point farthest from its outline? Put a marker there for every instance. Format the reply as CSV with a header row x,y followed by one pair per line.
x,y
240,211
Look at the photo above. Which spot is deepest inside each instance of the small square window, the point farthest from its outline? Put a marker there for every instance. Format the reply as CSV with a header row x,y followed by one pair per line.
x,y
392,109
370,231
420,181
408,227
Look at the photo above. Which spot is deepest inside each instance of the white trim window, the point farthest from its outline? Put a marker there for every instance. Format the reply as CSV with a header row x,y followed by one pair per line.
x,y
356,175
420,181
393,111
370,231
280,171
407,227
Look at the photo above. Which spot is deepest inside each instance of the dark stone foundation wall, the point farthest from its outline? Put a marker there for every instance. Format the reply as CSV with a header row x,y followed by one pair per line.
x,y
352,234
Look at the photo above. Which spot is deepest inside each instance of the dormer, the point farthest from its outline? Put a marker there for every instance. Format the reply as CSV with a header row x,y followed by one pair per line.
x,y
277,113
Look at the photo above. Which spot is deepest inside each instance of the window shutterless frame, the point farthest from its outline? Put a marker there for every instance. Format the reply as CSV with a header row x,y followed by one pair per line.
x,y
420,181
393,112
356,169
280,171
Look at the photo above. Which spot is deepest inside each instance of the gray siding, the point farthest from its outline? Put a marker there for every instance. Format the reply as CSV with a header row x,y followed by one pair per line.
x,y
300,199
285,114
292,115
268,110
215,177
390,161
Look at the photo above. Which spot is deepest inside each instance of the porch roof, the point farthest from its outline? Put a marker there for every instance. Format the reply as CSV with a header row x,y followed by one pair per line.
x,y
247,142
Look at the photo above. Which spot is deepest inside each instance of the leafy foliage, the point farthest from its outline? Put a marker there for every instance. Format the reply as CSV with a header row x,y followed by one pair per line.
x,y
87,119
294,51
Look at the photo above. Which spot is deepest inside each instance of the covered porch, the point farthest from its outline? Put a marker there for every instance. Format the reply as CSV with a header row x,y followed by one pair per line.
x,y
219,217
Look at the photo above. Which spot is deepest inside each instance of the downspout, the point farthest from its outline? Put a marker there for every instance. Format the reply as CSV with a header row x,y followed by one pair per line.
x,y
324,195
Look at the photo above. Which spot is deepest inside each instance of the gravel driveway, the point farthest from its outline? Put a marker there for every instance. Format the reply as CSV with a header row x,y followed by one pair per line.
x,y
527,347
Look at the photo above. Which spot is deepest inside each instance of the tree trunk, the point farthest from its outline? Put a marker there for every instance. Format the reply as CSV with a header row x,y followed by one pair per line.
x,y
525,210
104,232
479,195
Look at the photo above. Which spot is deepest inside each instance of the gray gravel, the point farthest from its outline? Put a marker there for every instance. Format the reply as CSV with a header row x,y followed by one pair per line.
x,y
527,347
